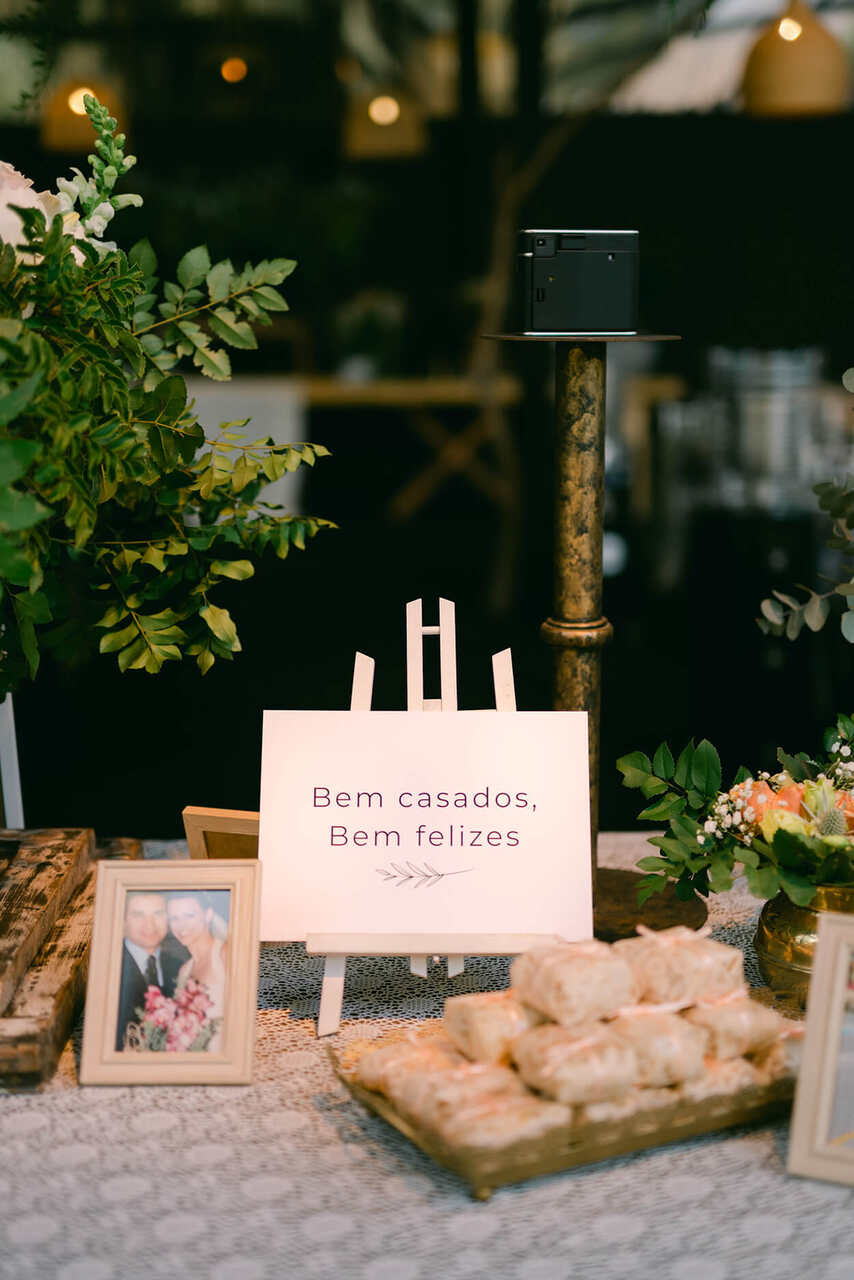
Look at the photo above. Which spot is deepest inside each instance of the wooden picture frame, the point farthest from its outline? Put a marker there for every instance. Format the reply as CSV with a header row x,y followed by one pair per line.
x,y
221,833
213,908
821,1144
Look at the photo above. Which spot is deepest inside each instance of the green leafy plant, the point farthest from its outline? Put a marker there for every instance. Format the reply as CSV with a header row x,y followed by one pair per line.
x,y
785,614
117,519
785,832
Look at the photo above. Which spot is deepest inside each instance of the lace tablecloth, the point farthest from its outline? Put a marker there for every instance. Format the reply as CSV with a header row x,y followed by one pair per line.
x,y
288,1179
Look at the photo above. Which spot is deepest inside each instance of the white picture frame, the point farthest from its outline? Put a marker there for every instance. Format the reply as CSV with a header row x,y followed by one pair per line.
x,y
821,1142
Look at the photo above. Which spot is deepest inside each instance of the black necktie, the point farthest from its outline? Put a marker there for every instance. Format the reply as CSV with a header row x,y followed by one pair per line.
x,y
151,977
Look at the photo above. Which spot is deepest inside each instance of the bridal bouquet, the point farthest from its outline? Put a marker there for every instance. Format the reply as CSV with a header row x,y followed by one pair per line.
x,y
177,1024
118,519
791,830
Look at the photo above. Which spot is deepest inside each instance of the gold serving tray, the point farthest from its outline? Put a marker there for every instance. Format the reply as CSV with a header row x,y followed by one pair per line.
x,y
485,1169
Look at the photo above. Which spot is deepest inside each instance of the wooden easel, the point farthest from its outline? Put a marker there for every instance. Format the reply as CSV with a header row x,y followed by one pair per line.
x,y
419,947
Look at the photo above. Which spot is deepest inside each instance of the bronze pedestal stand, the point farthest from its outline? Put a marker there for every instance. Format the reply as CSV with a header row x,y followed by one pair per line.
x,y
577,629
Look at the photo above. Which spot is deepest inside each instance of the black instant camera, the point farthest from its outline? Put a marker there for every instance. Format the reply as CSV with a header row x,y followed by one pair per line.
x,y
579,282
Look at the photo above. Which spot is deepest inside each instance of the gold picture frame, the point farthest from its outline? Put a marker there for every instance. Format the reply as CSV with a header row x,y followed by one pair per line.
x,y
173,938
221,833
821,1143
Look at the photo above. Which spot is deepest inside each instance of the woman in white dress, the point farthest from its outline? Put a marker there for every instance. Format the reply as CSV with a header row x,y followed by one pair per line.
x,y
204,933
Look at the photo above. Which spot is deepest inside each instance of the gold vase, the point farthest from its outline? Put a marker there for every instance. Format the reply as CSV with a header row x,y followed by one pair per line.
x,y
786,938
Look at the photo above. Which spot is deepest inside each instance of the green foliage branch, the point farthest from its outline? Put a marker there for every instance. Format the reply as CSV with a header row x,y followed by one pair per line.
x,y
117,519
781,613
700,853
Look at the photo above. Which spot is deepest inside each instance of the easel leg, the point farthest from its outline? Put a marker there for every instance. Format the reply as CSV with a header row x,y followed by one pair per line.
x,y
418,966
331,995
456,966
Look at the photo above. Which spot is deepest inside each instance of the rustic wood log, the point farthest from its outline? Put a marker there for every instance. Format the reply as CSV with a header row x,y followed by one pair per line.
x,y
8,852
40,1018
40,880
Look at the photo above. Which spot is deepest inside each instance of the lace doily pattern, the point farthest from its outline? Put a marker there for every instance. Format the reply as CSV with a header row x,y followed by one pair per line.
x,y
289,1179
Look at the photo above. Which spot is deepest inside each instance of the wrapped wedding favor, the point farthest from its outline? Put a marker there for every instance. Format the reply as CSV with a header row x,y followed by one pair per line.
x,y
782,1060
668,1049
681,964
573,982
379,1068
736,1027
430,1095
579,1064
485,1024
720,1078
498,1121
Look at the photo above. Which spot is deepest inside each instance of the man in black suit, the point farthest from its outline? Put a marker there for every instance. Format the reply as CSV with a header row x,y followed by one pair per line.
x,y
151,957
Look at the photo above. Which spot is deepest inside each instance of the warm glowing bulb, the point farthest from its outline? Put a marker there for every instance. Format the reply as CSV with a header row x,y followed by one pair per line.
x,y
75,100
233,70
789,29
384,110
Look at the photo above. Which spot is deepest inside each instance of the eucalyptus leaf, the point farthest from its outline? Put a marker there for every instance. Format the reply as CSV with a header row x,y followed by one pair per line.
x,y
816,612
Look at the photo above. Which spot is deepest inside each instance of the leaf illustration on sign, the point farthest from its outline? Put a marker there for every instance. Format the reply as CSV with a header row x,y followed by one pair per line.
x,y
416,877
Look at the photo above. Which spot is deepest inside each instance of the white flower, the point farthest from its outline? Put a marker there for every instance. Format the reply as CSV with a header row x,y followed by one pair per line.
x,y
845,751
96,223
709,825
15,189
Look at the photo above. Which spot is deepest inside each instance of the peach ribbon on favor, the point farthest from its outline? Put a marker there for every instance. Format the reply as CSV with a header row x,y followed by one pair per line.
x,y
667,937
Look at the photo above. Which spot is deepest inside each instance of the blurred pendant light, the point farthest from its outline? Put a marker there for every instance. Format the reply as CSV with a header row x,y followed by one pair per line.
x,y
797,68
383,124
64,123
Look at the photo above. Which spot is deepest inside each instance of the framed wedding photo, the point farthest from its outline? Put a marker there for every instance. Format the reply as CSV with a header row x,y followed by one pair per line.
x,y
173,973
821,1144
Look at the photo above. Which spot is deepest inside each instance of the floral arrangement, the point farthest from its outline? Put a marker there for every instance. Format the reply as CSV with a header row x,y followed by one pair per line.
x,y
178,1024
115,513
788,831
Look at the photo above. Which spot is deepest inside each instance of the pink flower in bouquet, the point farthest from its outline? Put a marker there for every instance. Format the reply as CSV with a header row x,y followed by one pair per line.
x,y
192,995
162,1016
193,998
182,1033
154,998
201,1004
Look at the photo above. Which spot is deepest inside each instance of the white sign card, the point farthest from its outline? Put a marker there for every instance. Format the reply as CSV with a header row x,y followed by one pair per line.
x,y
393,822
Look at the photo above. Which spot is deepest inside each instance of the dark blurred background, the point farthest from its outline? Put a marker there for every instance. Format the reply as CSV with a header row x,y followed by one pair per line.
x,y
394,147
